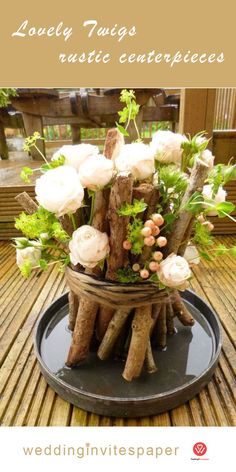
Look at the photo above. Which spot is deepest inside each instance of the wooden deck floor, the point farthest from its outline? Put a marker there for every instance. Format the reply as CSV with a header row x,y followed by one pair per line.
x,y
25,398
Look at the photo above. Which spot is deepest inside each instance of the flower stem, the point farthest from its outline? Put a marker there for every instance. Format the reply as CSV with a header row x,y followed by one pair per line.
x,y
41,154
92,208
72,218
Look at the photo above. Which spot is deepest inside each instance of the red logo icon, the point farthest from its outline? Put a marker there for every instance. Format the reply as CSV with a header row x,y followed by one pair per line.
x,y
199,449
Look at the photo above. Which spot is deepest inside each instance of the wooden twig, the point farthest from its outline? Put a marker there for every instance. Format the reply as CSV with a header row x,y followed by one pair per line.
x,y
73,309
161,328
149,359
121,192
179,228
170,318
139,342
180,310
112,333
27,203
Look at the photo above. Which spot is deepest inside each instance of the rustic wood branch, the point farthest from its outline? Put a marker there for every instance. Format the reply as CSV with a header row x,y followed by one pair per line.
x,y
27,203
113,143
180,310
121,192
141,325
112,333
197,179
87,312
169,317
73,309
161,328
149,359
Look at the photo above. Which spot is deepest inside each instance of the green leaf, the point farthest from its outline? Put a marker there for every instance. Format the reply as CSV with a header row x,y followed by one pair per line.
x,y
134,209
195,203
26,268
135,237
122,129
25,173
224,208
205,255
127,275
43,264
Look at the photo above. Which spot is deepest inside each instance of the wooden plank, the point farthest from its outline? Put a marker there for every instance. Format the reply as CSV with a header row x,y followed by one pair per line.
x,y
27,400
197,111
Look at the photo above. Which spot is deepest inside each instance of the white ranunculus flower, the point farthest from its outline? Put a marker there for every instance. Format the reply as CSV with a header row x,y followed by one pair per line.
x,y
174,272
137,158
88,246
31,254
166,146
75,154
59,190
219,197
207,158
96,172
191,254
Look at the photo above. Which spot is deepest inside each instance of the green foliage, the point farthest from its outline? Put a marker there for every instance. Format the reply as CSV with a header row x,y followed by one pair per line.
x,y
202,235
32,140
122,130
224,209
220,175
195,203
192,148
42,221
169,220
129,112
25,174
5,96
127,275
134,209
172,184
134,236
26,268
53,164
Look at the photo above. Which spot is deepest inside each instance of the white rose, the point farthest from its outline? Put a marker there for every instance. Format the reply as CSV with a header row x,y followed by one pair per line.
x,y
96,172
137,158
31,254
219,197
207,158
174,272
75,154
88,246
191,254
59,190
167,146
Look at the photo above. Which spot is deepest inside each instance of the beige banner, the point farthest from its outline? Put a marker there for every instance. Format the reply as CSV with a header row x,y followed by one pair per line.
x,y
122,43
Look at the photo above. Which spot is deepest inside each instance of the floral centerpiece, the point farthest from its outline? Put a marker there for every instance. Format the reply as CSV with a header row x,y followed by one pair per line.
x,y
126,226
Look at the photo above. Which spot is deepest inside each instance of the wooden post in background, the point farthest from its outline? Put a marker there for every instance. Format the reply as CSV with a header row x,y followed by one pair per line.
x,y
197,108
76,134
3,142
34,123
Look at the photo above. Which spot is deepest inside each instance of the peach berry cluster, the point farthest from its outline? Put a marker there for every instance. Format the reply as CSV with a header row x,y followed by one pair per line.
x,y
201,219
150,233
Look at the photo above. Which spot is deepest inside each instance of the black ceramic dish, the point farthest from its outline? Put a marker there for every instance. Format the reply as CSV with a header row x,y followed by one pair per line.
x,y
184,368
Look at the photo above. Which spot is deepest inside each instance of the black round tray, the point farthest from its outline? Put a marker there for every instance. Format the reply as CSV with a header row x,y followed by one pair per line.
x,y
184,367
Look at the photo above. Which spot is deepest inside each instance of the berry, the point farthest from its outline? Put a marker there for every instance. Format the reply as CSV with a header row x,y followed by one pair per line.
x,y
127,245
153,266
136,267
155,231
146,231
157,256
158,219
210,226
201,219
149,241
149,223
144,273
161,241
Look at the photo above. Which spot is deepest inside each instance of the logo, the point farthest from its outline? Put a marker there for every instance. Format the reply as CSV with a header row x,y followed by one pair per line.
x,y
199,449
